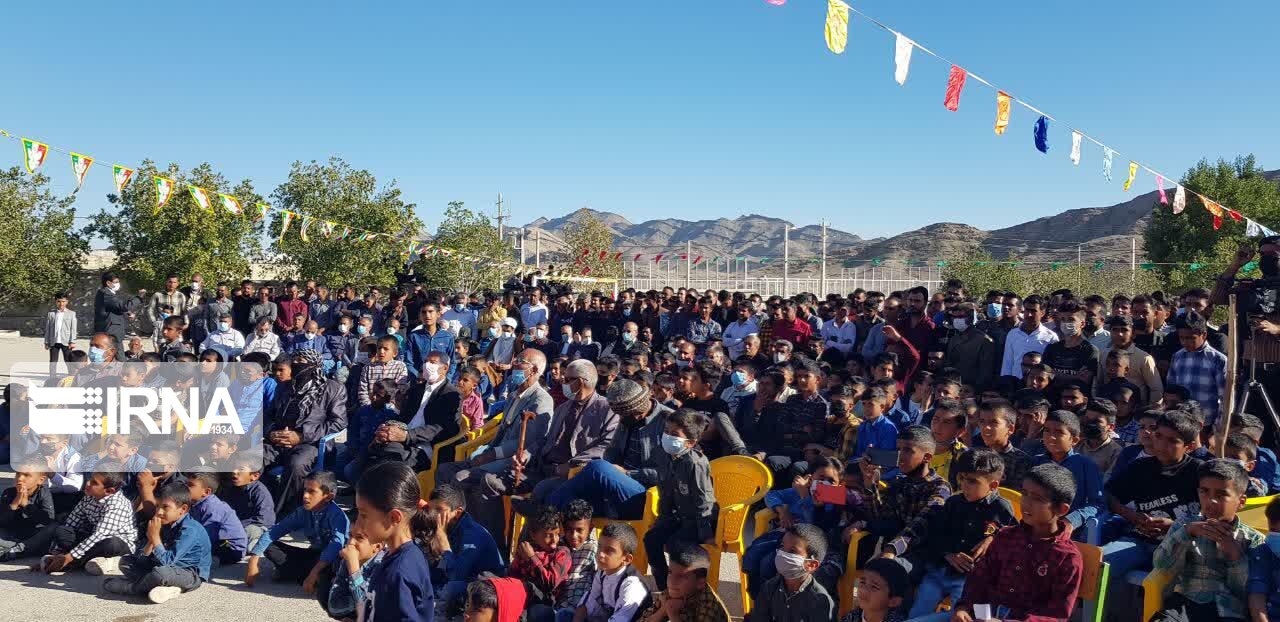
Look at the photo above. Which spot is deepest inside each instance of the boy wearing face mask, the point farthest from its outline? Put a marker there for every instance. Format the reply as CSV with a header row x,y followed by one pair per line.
x,y
969,350
224,338
687,508
1073,357
1099,443
794,594
792,506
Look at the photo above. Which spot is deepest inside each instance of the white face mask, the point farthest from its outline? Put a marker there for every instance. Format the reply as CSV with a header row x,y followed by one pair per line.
x,y
1069,329
959,323
311,335
540,333
673,445
790,566
779,357
343,328
224,326
431,372
567,389
114,287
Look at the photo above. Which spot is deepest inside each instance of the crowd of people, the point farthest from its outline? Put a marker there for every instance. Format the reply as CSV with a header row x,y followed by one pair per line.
x,y
899,420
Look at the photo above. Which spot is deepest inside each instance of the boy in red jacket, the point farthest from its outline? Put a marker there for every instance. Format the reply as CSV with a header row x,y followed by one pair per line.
x,y
540,561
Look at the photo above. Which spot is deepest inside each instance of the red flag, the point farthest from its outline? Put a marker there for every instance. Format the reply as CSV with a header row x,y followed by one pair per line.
x,y
586,251
696,261
586,270
955,84
637,257
617,256
604,254
657,258
1234,215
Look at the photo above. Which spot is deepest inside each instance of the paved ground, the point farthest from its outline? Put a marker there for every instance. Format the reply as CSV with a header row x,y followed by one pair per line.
x,y
76,596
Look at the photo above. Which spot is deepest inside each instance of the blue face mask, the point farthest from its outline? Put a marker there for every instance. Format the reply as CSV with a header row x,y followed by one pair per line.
x,y
628,338
459,308
528,338
517,377
993,310
626,312
362,329
97,355
673,445
738,378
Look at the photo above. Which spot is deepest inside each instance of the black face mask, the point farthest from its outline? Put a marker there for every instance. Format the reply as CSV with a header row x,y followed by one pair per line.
x,y
1139,324
1093,430
48,449
1270,266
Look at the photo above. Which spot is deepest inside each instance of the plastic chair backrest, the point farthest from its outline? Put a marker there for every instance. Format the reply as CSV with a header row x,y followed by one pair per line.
x,y
739,482
488,433
1014,498
1255,517
1091,556
1254,502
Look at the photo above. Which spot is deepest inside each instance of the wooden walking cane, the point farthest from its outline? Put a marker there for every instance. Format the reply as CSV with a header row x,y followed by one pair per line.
x,y
518,467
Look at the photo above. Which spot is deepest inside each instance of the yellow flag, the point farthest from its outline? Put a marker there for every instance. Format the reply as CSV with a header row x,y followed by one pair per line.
x,y
837,30
1133,172
1002,112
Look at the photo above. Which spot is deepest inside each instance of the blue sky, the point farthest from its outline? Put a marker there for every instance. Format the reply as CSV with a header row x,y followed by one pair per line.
x,y
690,109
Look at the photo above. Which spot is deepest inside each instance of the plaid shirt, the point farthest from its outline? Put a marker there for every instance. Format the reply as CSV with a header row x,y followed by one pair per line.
x,y
804,421
99,519
1128,433
1031,576
701,606
907,498
582,569
394,369
1201,573
701,333
1203,372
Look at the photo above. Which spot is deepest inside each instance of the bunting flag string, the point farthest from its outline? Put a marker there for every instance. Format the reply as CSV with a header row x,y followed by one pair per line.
x,y
1075,147
1002,112
287,218
261,212
1179,199
837,28
1107,155
1164,198
230,203
200,195
1042,134
121,175
80,164
164,190
1214,209
302,231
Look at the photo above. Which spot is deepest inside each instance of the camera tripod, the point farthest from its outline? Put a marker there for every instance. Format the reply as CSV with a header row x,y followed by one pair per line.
x,y
1252,387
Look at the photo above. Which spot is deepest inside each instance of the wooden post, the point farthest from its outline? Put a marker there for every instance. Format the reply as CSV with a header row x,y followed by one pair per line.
x,y
1229,390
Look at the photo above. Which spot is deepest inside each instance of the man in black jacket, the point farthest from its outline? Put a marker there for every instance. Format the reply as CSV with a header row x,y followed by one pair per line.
x,y
109,309
430,413
303,411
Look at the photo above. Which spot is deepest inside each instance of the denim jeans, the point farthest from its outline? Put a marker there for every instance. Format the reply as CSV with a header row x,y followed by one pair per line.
x,y
1125,555
610,492
758,561
938,583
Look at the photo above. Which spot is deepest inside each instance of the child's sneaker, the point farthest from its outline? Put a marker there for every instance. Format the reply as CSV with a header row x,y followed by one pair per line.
x,y
119,586
44,563
159,595
99,566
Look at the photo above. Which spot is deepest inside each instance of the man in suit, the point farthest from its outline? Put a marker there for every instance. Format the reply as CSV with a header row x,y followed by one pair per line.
x,y
497,459
431,411
108,308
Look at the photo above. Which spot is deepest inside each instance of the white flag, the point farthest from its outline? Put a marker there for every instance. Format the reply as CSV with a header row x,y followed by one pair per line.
x,y
902,59
1179,199
1075,147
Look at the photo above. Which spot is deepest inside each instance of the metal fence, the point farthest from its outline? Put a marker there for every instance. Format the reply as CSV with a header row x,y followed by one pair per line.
x,y
648,275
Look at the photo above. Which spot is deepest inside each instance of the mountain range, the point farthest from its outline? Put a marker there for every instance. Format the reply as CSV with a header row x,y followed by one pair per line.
x,y
1113,232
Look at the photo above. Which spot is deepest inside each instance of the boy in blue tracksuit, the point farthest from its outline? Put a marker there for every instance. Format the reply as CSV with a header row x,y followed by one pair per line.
x,y
1060,436
467,549
177,555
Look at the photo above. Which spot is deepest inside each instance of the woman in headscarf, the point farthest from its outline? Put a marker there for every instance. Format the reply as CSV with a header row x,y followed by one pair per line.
x,y
306,410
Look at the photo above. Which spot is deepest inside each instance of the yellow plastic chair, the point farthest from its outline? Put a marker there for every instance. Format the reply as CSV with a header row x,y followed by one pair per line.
x,y
428,483
740,482
1014,498
1093,582
487,433
642,525
1254,502
1154,587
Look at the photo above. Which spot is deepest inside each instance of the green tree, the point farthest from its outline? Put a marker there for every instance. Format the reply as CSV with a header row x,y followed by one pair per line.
x,y
40,253
982,274
588,237
465,233
335,192
180,237
1176,241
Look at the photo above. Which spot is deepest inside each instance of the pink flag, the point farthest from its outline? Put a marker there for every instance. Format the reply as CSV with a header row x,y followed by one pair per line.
x,y
1164,198
955,84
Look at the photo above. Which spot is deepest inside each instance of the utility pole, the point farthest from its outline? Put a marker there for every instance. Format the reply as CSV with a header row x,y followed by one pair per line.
x,y
521,234
537,247
786,260
822,282
1133,263
1079,252
688,264
501,217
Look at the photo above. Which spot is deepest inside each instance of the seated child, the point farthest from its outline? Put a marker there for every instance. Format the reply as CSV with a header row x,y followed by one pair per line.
x,y
323,523
392,514
360,560
945,543
461,551
1208,554
1038,376
64,464
176,556
794,595
876,430
1242,450
495,599
882,588
617,590
1099,443
1266,468
1041,544
999,421
915,490
162,469
687,508
1146,424
539,559
383,395
472,404
688,595
26,512
791,505
221,448
99,529
582,547
1073,396
1126,401
384,364
121,449
1032,409
226,533
1061,435
948,425
250,498
1264,571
